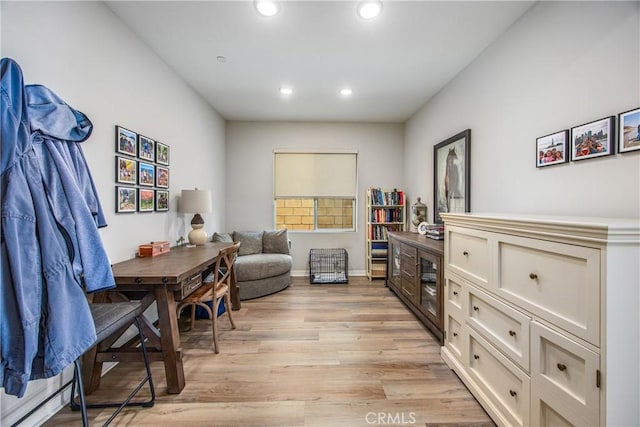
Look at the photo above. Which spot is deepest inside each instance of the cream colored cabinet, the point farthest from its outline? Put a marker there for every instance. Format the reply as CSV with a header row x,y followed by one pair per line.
x,y
547,309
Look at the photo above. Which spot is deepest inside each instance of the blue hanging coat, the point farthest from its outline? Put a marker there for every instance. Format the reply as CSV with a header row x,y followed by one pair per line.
x,y
51,247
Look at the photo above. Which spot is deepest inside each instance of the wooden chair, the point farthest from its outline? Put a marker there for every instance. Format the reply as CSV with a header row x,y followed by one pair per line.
x,y
214,291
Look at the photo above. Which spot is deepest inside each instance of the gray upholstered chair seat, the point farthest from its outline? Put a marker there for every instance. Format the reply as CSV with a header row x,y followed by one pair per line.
x,y
262,266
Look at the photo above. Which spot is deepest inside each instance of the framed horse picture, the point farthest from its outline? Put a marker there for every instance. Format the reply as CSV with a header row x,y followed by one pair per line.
x,y
451,173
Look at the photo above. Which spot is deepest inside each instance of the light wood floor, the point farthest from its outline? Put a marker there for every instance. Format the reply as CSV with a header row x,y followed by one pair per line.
x,y
312,355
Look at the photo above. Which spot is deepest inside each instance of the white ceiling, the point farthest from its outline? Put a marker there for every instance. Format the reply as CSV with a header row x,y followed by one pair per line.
x,y
394,63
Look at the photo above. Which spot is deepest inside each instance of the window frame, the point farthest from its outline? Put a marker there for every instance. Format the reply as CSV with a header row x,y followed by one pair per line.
x,y
315,198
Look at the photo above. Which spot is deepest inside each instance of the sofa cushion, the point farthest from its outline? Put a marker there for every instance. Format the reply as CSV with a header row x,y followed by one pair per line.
x,y
222,237
250,242
275,242
261,266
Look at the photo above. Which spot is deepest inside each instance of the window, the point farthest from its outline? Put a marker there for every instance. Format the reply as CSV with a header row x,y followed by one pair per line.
x,y
315,191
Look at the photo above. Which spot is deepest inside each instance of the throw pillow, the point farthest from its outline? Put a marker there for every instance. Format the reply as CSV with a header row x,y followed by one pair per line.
x,y
275,242
250,242
222,237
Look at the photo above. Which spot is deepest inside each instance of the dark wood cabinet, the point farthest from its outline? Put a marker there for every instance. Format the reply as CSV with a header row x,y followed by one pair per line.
x,y
414,274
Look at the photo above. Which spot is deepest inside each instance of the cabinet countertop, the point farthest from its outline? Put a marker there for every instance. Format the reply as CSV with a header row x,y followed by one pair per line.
x,y
415,239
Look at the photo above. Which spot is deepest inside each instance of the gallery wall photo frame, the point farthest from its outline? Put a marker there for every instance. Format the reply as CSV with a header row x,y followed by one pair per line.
x,y
162,154
126,141
146,174
162,200
162,177
452,172
146,199
593,139
146,148
629,131
552,149
126,199
126,170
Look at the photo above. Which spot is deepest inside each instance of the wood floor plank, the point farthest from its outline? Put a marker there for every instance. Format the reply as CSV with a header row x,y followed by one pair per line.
x,y
311,355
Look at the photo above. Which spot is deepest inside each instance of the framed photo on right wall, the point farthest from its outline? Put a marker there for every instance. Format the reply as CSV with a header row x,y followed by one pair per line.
x,y
629,131
594,139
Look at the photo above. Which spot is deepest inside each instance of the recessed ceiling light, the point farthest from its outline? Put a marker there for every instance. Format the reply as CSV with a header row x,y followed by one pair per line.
x,y
286,90
369,9
221,58
346,91
267,7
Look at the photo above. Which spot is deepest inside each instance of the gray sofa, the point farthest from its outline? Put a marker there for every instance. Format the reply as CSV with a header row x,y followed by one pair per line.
x,y
263,266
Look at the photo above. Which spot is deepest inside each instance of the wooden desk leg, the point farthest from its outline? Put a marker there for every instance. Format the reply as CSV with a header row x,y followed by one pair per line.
x,y
170,339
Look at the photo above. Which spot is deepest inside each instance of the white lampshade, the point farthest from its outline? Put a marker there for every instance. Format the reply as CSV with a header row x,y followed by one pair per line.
x,y
195,201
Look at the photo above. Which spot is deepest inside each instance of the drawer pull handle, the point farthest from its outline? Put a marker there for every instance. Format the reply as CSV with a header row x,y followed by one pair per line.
x,y
455,334
476,308
513,393
138,280
533,276
165,280
475,356
562,367
465,253
455,292
512,333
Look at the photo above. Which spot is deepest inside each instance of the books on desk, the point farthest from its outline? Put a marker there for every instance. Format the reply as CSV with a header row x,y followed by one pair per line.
x,y
435,232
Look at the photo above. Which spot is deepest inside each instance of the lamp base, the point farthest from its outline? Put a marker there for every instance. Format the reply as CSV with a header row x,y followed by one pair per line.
x,y
197,236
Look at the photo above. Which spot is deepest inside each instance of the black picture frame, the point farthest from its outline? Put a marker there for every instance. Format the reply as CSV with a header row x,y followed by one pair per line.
x,y
162,200
162,177
146,200
451,175
593,139
126,199
146,174
552,149
629,131
146,148
126,170
126,141
162,154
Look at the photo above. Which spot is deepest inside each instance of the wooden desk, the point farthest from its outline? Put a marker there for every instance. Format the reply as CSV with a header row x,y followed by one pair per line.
x,y
164,279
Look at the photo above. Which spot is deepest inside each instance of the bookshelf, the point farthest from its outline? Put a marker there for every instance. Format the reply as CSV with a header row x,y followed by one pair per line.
x,y
386,211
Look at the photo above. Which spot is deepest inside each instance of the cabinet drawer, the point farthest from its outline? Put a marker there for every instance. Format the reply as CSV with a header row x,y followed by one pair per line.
x,y
408,253
191,284
559,282
467,253
564,376
455,296
503,326
504,383
409,287
454,341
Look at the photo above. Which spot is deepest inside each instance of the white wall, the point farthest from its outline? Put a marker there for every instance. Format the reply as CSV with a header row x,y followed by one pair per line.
x,y
561,65
250,147
88,57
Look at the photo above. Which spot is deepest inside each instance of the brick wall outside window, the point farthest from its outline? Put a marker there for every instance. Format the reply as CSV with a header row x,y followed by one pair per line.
x,y
298,214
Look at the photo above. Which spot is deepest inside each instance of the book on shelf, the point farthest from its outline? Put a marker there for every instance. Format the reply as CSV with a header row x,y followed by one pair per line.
x,y
379,249
379,197
379,269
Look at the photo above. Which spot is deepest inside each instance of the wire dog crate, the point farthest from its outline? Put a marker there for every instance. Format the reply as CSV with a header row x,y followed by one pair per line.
x,y
328,266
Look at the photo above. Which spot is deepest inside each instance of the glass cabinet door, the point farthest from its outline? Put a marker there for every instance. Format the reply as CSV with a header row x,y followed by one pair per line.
x,y
393,267
430,287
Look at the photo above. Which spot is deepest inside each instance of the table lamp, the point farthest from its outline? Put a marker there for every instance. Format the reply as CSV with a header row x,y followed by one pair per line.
x,y
196,202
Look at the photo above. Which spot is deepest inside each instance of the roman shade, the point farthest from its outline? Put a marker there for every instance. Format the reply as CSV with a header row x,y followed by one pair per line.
x,y
315,175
